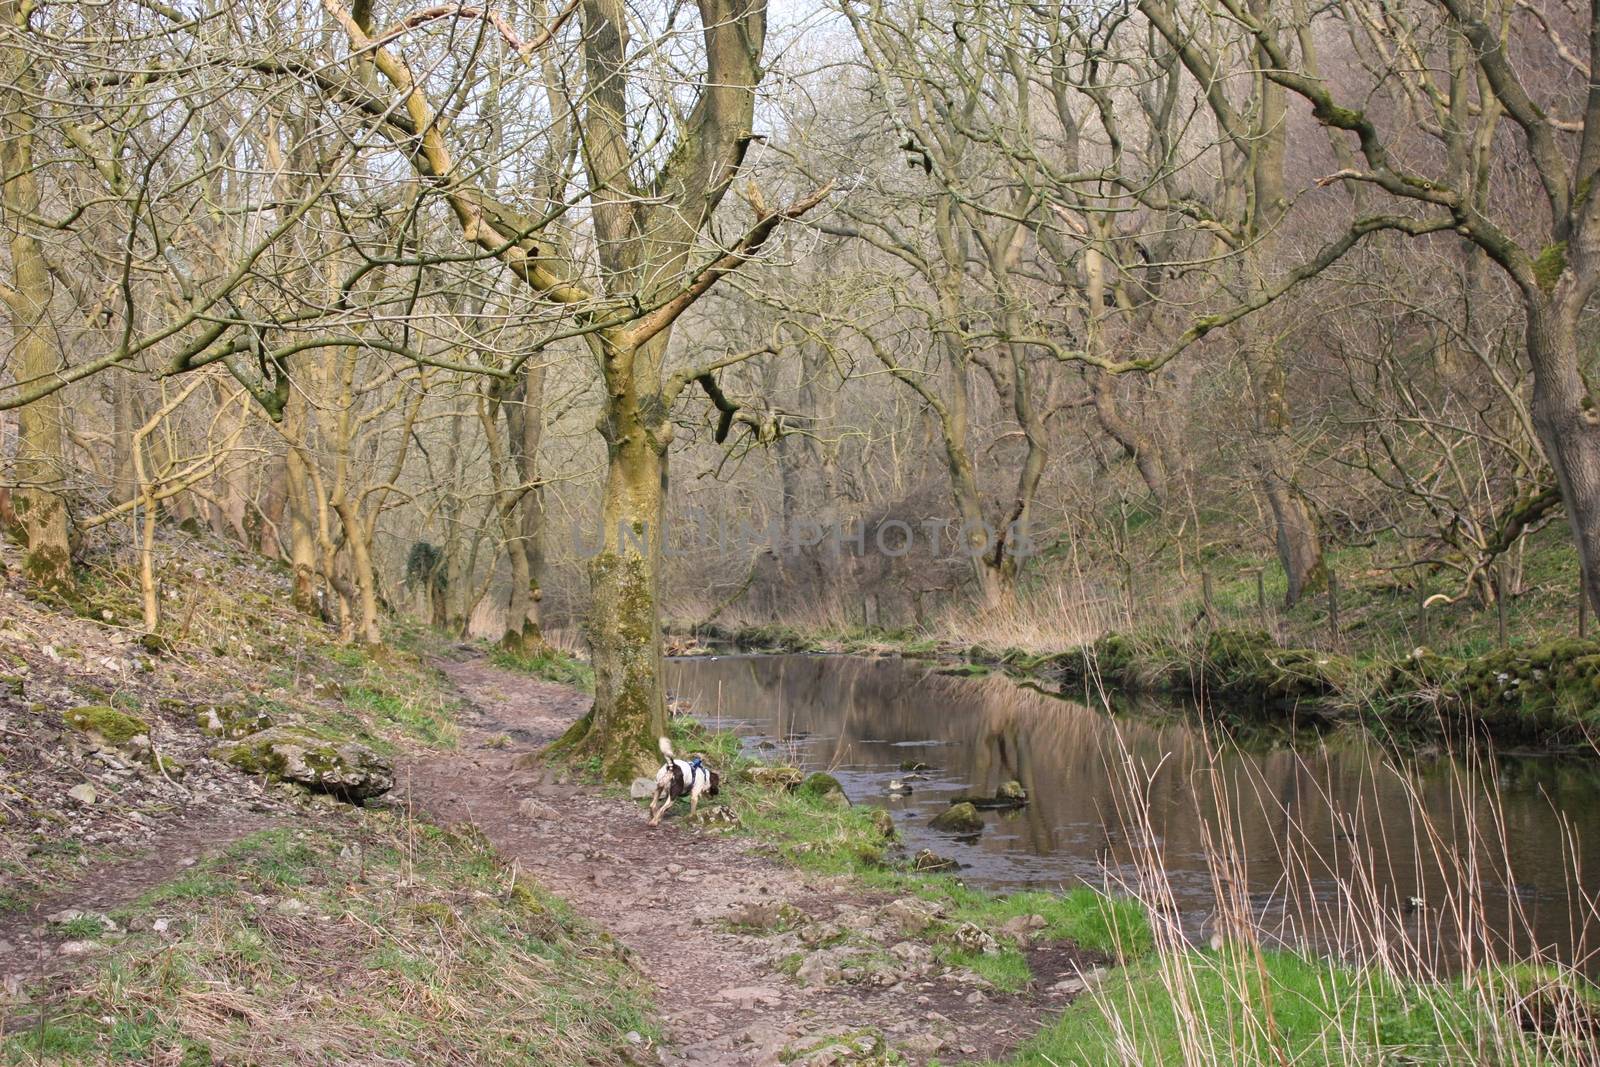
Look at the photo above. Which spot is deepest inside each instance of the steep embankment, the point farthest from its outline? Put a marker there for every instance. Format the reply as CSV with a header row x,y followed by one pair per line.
x,y
160,904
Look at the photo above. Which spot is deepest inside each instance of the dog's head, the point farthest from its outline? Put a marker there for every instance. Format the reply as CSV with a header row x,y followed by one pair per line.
x,y
716,783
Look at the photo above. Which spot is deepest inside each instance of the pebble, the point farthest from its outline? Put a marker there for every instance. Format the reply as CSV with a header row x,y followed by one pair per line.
x,y
84,794
751,997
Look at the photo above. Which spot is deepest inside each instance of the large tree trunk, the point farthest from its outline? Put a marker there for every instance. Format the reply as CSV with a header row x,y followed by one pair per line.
x,y
975,535
1568,423
624,629
43,524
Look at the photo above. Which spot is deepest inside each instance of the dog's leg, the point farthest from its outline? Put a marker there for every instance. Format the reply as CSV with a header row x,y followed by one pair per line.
x,y
655,815
694,801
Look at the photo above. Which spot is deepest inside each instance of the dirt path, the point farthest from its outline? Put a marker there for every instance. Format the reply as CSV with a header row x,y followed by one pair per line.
x,y
667,893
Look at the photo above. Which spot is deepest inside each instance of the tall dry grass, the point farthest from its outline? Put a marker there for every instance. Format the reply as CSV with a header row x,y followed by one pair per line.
x,y
1327,965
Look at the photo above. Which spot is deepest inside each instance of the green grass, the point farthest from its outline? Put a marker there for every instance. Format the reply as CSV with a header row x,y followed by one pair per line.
x,y
548,663
1115,926
1007,970
382,697
378,941
85,927
424,718
1233,1007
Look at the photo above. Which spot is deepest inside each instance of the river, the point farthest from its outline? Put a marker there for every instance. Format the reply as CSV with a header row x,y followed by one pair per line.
x,y
1443,860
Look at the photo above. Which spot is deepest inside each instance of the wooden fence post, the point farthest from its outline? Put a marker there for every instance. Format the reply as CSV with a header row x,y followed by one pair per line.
x,y
1583,605
1128,590
1422,608
1261,598
1205,597
1333,604
1500,602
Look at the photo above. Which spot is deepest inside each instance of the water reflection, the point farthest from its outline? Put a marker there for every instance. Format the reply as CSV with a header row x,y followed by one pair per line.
x,y
1337,842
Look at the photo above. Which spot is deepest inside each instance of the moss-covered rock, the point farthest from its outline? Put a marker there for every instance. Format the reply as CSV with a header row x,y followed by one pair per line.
x,y
1128,662
1010,795
1420,671
822,786
156,644
232,721
927,860
344,769
883,822
1542,693
106,723
1249,665
773,777
960,818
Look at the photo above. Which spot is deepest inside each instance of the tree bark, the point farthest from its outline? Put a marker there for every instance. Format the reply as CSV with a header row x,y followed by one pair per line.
x,y
365,624
302,525
624,630
1296,535
43,523
1568,424
525,428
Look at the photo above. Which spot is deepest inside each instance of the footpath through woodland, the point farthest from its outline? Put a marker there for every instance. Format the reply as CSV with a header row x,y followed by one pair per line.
x,y
677,898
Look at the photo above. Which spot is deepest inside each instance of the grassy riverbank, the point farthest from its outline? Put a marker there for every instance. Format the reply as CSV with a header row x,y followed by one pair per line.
x,y
1168,1001
1242,1006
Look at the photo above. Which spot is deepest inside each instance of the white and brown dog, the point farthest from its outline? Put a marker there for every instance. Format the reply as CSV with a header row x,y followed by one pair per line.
x,y
681,778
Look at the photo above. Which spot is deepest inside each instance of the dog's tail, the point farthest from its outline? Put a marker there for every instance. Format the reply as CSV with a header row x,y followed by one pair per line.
x,y
666,747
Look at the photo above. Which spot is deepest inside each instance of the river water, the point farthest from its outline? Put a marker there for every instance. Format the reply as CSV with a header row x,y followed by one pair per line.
x,y
1448,862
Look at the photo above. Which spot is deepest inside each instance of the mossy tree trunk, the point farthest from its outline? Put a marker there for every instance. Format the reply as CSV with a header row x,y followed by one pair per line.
x,y
297,503
624,624
43,524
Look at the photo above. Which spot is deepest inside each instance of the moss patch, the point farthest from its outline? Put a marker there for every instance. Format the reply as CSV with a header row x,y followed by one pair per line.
x,y
1544,694
113,726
